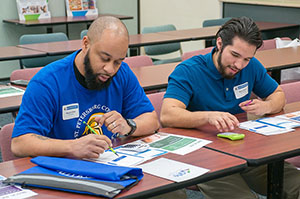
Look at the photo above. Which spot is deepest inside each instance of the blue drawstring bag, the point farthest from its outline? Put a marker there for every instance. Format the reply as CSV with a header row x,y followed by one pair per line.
x,y
78,176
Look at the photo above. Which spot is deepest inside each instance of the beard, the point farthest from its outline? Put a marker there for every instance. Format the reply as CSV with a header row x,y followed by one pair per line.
x,y
222,68
91,78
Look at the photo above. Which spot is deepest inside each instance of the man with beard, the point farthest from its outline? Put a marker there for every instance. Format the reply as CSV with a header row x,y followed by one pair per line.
x,y
91,85
209,89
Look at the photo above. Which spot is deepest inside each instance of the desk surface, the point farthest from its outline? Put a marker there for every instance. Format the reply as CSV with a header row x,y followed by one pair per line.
x,y
218,163
255,148
10,104
61,20
14,52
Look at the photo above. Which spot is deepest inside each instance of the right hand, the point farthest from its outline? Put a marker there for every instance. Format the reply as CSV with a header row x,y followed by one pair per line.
x,y
90,146
222,121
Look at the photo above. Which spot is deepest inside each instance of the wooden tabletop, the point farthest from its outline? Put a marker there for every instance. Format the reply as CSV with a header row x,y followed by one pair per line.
x,y
10,104
14,52
218,163
255,148
61,20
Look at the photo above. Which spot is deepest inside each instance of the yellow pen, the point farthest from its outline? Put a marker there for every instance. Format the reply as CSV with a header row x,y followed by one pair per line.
x,y
102,133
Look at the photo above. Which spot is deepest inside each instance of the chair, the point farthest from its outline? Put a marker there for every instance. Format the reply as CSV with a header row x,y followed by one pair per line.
x,y
162,49
292,94
214,22
156,100
190,54
136,61
5,142
291,91
25,74
41,38
83,33
271,43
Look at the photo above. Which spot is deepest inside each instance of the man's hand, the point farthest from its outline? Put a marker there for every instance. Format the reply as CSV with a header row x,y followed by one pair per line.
x,y
256,106
90,146
114,122
222,121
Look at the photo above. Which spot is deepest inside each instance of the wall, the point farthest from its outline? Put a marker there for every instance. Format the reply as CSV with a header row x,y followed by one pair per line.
x,y
183,14
9,33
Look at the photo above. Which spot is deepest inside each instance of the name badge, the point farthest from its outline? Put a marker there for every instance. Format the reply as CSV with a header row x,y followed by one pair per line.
x,y
70,111
241,90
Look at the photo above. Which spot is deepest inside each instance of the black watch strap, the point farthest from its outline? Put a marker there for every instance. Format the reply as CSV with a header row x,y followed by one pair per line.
x,y
132,124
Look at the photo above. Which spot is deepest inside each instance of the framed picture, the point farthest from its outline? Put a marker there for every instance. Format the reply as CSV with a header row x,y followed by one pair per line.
x,y
33,9
81,8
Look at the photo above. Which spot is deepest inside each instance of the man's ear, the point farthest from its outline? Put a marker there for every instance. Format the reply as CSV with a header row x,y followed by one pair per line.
x,y
219,43
85,44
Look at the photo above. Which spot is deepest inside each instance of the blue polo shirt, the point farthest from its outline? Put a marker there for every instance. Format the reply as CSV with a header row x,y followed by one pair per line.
x,y
198,84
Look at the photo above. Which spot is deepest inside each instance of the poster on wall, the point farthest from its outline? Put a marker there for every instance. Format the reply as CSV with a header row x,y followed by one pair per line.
x,y
77,8
33,9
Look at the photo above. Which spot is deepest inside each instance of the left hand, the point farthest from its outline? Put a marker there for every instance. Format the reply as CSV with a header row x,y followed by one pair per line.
x,y
114,122
256,107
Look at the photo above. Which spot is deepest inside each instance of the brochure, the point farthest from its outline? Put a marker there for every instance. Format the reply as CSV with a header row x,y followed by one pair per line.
x,y
7,91
33,9
294,116
177,144
13,192
77,8
172,170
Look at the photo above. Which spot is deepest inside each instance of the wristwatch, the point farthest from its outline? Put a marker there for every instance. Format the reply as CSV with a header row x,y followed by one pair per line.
x,y
132,124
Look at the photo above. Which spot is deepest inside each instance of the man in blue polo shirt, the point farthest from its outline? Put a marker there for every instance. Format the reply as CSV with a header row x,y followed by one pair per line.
x,y
209,89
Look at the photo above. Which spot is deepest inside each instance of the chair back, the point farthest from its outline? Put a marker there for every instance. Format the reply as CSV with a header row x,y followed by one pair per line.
x,y
41,38
215,22
25,74
190,54
83,33
291,91
162,49
137,61
156,100
5,142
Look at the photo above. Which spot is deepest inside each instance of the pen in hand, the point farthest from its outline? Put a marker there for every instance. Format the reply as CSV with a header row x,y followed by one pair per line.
x,y
96,133
249,102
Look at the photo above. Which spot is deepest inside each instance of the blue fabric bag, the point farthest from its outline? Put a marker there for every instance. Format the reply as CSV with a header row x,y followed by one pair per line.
x,y
78,176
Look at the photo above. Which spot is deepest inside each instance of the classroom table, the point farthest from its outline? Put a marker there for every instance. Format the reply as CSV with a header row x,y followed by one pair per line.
x,y
10,104
138,40
62,20
219,164
14,52
256,149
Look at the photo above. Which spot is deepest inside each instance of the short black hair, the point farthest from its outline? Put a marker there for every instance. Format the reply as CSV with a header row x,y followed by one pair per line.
x,y
242,27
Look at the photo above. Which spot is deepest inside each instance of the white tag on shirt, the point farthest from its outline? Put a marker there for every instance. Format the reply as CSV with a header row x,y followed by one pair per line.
x,y
70,111
241,90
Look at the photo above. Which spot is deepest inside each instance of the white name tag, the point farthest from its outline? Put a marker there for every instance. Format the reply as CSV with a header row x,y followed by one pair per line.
x,y
70,111
241,90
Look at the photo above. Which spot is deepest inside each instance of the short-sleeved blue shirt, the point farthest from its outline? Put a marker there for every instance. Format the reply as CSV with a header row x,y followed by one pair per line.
x,y
55,104
198,84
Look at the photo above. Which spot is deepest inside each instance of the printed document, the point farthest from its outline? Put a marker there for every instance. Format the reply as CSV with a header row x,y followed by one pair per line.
x,y
172,170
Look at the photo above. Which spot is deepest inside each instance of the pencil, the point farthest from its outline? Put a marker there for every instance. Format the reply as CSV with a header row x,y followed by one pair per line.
x,y
102,133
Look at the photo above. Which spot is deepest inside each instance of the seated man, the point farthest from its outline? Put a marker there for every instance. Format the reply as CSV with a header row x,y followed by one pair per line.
x,y
209,89
91,85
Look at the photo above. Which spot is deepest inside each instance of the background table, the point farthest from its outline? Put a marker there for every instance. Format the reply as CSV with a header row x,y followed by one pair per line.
x,y
60,21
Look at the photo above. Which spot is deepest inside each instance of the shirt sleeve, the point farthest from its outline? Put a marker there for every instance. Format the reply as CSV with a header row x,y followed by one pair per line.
x,y
135,101
179,85
36,111
264,85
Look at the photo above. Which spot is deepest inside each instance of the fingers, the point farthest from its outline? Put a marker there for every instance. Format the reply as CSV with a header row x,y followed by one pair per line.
x,y
114,122
224,121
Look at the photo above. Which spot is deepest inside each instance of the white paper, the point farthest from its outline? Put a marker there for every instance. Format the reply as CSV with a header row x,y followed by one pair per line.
x,y
13,192
172,170
277,121
109,157
294,116
263,128
177,144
